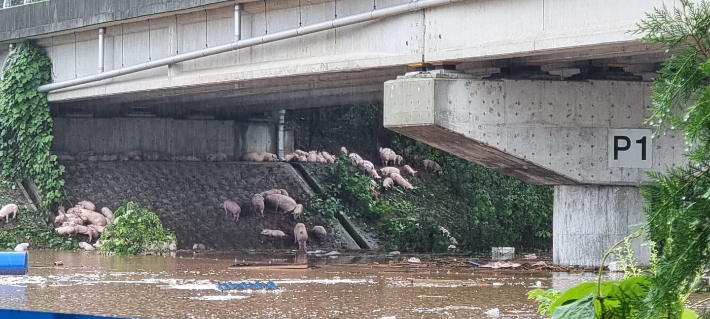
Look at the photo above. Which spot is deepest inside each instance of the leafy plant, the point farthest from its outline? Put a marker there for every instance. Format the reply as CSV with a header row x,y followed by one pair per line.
x,y
134,231
544,298
26,125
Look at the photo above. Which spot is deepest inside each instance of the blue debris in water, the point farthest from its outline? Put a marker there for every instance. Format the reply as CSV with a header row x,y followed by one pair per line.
x,y
470,261
222,286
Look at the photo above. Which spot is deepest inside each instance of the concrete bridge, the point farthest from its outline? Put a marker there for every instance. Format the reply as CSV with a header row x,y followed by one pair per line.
x,y
553,92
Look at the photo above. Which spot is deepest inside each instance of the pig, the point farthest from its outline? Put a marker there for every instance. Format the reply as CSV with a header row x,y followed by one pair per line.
x,y
399,160
231,207
92,233
93,217
291,156
387,155
66,230
270,157
123,158
312,158
373,173
87,205
61,215
387,183
366,166
356,158
94,158
105,158
257,201
134,155
409,170
271,192
321,159
198,247
303,159
301,235
401,181
343,150
283,202
65,158
389,170
432,166
83,156
192,158
253,157
273,233
7,210
99,229
328,158
301,153
22,247
172,246
151,156
284,192
108,214
319,231
86,246
297,211
217,157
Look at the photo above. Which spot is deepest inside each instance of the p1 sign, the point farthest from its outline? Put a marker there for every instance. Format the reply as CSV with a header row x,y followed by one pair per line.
x,y
630,148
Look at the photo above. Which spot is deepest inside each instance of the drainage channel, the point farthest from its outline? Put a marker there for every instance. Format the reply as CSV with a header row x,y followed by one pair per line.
x,y
347,225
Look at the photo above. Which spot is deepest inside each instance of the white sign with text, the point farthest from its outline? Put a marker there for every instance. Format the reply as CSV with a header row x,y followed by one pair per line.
x,y
630,148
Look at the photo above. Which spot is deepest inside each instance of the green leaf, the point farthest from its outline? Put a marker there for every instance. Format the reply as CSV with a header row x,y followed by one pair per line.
x,y
580,309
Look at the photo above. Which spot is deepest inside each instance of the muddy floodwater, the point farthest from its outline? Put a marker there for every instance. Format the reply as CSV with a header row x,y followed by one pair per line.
x,y
184,287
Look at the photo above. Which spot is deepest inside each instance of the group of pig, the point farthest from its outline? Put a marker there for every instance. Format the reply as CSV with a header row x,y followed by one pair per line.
x,y
279,200
300,234
276,198
392,174
310,157
140,156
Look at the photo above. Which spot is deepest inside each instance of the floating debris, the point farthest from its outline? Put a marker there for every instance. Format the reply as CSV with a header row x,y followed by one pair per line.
x,y
247,286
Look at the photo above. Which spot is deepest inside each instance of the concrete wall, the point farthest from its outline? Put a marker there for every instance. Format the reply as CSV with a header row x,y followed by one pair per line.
x,y
588,220
545,132
168,136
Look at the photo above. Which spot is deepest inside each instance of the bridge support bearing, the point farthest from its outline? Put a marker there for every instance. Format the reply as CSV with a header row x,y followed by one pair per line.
x,y
589,219
546,133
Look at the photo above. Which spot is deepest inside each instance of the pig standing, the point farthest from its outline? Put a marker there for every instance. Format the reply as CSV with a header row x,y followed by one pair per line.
x,y
301,235
389,170
7,210
409,170
401,181
356,158
373,173
66,230
231,207
343,150
400,160
432,166
108,214
320,232
258,202
387,183
22,247
283,202
93,217
297,211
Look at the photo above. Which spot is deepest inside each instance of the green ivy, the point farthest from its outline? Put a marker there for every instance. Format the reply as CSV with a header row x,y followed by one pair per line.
x,y
26,125
134,231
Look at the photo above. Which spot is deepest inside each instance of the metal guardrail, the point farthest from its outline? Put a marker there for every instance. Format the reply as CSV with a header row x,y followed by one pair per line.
x,y
12,3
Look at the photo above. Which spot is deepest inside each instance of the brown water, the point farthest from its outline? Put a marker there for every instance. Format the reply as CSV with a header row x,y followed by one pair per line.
x,y
183,287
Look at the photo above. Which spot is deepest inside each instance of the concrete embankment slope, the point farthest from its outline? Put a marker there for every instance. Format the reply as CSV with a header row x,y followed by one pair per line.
x,y
187,197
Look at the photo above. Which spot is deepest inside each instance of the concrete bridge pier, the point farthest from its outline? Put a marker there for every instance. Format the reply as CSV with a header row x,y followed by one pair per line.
x,y
587,138
590,219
